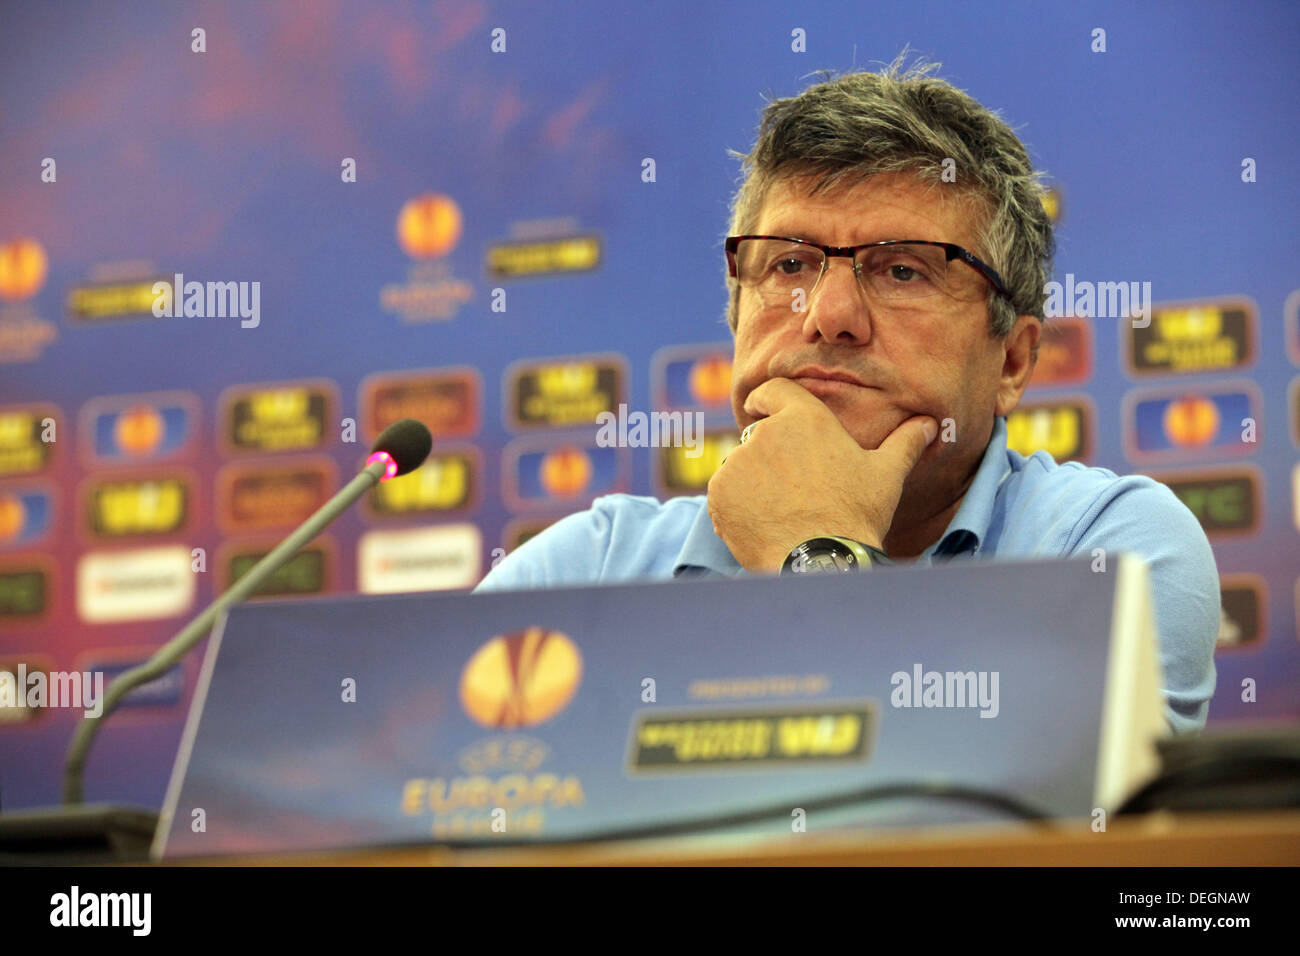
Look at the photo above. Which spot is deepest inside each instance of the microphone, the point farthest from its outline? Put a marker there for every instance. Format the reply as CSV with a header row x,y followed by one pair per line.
x,y
401,448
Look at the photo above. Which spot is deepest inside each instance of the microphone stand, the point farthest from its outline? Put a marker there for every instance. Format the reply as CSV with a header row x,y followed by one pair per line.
x,y
197,629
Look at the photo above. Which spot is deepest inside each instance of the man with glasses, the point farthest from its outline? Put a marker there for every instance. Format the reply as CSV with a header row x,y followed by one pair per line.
x,y
886,268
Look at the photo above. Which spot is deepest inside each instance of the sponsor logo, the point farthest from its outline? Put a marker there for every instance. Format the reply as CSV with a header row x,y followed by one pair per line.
x,y
1174,424
26,515
1062,428
24,590
134,507
428,227
541,474
752,737
138,428
560,393
260,496
691,377
447,401
1243,599
1224,501
419,559
288,417
310,571
134,585
446,482
115,300
1065,353
679,474
24,335
22,448
521,679
516,260
1205,336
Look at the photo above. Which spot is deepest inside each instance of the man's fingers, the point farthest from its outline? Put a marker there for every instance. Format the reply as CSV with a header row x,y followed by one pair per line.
x,y
776,394
906,443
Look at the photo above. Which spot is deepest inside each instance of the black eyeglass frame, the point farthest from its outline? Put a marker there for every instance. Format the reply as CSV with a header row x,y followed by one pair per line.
x,y
951,250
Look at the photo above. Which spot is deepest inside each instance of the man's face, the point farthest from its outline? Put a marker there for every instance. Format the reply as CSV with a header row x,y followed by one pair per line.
x,y
932,356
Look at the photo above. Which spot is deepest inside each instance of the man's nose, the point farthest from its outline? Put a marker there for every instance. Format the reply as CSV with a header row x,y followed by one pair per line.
x,y
838,309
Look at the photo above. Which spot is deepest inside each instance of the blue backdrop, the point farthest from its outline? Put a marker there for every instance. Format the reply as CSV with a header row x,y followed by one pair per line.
x,y
475,165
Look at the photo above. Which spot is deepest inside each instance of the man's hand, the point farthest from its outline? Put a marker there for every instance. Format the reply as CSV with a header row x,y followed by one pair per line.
x,y
800,475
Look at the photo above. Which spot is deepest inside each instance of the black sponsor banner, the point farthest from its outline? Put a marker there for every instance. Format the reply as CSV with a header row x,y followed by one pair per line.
x,y
709,739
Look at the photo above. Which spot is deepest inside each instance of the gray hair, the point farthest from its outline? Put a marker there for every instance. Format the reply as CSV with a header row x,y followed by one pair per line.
x,y
849,128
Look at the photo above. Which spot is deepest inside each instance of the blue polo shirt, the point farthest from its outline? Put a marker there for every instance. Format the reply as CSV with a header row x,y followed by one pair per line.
x,y
1016,507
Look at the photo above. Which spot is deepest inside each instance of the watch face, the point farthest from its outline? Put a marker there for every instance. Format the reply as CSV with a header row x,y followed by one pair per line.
x,y
835,560
821,558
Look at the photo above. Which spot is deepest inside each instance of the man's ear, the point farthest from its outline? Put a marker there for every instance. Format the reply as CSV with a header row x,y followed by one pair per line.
x,y
1020,356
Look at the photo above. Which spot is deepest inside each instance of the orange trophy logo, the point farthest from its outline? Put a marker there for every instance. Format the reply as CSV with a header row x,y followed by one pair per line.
x,y
1191,421
520,679
429,226
22,269
710,380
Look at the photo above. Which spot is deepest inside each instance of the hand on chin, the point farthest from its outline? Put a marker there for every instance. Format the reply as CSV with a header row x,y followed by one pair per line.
x,y
803,472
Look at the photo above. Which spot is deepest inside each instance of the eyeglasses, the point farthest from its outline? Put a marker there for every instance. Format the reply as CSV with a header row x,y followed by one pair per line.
x,y
777,267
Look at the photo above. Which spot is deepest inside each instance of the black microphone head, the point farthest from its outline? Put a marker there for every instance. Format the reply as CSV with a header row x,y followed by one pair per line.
x,y
407,442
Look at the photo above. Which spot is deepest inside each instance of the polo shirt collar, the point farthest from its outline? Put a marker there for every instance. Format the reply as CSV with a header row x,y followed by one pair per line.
x,y
970,525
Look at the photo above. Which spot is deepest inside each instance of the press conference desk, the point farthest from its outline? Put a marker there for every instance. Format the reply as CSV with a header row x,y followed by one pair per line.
x,y
1160,839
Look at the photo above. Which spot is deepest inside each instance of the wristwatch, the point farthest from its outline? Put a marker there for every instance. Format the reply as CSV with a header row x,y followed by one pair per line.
x,y
830,553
